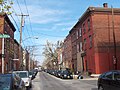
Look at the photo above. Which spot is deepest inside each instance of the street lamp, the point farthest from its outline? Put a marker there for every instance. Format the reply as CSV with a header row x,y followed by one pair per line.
x,y
34,37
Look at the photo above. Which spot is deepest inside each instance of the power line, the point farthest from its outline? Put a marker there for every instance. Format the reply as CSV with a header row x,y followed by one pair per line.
x,y
19,6
50,35
15,15
15,22
18,19
29,21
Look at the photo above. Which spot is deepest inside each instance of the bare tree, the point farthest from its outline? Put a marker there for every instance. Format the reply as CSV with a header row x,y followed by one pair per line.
x,y
50,53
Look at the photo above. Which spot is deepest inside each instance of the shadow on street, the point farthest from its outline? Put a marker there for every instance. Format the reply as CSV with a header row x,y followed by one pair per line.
x,y
94,89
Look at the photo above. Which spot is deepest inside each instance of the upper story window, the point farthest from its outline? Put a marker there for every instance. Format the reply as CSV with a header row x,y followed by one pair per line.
x,y
84,29
80,32
90,38
77,47
85,44
80,47
74,36
88,24
77,33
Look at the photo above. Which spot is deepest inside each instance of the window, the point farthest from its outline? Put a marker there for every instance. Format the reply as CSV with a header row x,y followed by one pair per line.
x,y
77,33
116,76
85,44
88,24
77,47
80,49
109,75
80,32
84,30
90,38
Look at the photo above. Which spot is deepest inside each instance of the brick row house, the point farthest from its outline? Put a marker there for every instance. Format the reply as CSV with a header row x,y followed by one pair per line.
x,y
9,54
60,55
67,54
95,40
16,55
6,27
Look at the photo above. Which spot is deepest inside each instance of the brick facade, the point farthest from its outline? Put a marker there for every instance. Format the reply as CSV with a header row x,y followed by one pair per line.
x,y
67,53
92,40
6,27
100,51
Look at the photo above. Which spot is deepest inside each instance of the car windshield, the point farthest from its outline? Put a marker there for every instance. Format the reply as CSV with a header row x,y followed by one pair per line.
x,y
22,74
5,82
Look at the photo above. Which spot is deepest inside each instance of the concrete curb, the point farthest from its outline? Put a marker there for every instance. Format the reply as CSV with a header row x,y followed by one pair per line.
x,y
94,75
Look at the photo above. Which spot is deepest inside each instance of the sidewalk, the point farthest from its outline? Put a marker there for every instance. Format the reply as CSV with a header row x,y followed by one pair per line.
x,y
86,77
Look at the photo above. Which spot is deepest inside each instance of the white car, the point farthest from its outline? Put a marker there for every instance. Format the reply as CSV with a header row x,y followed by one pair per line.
x,y
25,77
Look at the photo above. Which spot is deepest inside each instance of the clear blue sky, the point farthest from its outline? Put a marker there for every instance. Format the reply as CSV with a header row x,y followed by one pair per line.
x,y
51,19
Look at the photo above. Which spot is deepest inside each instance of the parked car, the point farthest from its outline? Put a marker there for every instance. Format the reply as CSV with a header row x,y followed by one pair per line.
x,y
66,74
11,82
25,77
80,76
31,75
109,80
59,73
35,71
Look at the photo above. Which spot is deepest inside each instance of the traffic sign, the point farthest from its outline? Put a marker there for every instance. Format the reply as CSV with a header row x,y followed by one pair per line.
x,y
4,36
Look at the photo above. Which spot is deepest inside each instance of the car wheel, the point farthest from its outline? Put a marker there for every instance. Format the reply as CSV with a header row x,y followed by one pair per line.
x,y
100,87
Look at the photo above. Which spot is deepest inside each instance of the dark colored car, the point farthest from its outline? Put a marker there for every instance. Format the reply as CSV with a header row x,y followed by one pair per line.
x,y
66,74
35,71
59,73
109,80
11,82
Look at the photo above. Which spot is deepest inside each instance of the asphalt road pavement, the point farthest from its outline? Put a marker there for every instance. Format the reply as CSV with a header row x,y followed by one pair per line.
x,y
45,81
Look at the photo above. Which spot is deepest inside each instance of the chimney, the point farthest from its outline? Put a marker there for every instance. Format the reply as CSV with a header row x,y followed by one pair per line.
x,y
105,5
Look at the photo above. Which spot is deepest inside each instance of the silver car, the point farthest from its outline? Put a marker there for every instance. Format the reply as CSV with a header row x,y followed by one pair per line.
x,y
25,77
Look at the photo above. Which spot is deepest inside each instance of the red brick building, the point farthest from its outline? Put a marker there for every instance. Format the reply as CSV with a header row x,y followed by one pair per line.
x,y
98,25
60,57
67,57
27,60
16,55
73,35
95,40
6,27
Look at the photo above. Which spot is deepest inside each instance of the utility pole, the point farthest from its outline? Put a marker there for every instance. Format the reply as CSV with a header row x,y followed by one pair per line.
x,y
114,41
20,46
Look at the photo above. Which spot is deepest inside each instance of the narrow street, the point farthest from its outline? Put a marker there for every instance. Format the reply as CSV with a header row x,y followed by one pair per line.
x,y
44,81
